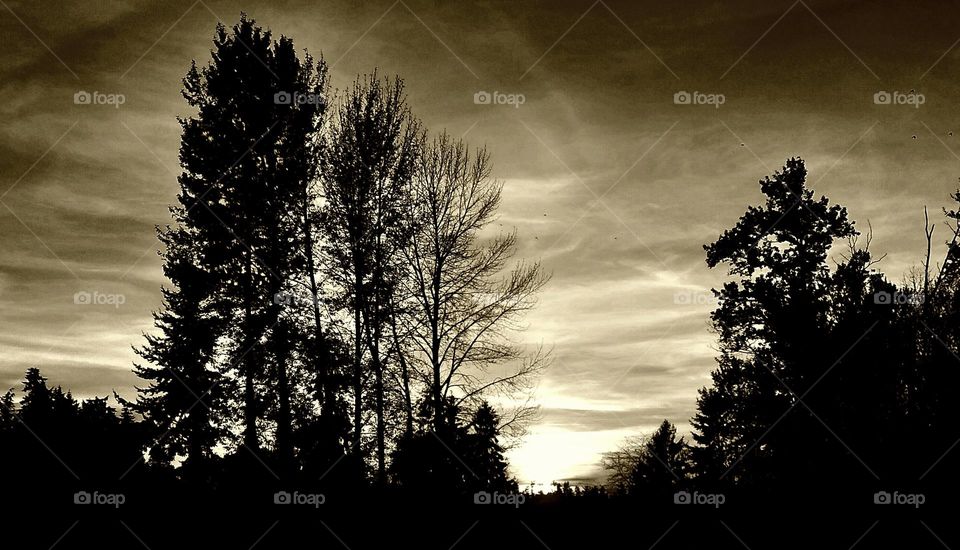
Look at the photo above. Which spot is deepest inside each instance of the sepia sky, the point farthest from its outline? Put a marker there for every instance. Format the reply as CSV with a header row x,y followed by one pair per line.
x,y
608,181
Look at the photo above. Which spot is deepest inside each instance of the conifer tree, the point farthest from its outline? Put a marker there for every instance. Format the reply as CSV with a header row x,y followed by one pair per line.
x,y
183,402
244,206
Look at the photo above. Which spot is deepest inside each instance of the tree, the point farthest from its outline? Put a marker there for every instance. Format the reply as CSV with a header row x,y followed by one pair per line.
x,y
184,397
59,439
620,463
469,459
8,411
928,320
662,464
365,168
459,306
36,405
246,166
485,454
778,334
651,466
288,253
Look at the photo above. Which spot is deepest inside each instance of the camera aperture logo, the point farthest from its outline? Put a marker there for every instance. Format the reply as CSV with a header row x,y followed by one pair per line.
x,y
96,298
83,97
285,298
697,298
885,298
510,499
499,98
902,499
100,499
297,98
699,98
702,499
911,98
300,499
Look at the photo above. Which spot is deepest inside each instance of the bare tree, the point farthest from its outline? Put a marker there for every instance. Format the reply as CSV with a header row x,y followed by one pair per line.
x,y
365,168
621,462
465,302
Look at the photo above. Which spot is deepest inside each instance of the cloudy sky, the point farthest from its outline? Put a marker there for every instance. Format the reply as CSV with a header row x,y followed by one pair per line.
x,y
610,181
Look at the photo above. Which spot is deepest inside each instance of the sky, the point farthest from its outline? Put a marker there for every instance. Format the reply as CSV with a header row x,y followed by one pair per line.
x,y
610,177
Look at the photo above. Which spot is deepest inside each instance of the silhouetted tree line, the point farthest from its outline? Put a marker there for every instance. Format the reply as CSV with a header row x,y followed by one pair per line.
x,y
335,303
332,303
49,437
336,297
828,376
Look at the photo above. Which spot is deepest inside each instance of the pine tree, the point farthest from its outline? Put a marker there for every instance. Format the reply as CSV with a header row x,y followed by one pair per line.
x,y
8,411
36,405
246,168
772,323
184,397
484,453
662,464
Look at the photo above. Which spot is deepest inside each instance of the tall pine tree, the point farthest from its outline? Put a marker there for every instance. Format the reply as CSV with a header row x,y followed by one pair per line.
x,y
242,222
184,396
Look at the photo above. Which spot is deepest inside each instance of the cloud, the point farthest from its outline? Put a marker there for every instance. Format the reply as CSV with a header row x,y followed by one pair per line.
x,y
628,350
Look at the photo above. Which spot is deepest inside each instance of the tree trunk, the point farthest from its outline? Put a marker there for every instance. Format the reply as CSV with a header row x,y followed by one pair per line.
x,y
373,334
326,391
381,421
250,438
284,419
357,364
405,377
435,355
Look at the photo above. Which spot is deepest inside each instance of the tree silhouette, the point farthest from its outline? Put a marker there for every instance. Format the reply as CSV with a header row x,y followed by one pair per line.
x,y
484,452
244,222
291,225
773,323
652,467
184,395
458,305
662,464
365,169
59,440
468,459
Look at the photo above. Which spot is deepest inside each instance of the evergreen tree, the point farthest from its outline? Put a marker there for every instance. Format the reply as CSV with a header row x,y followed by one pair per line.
x,y
662,463
183,401
469,457
8,412
36,405
484,453
246,168
773,323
